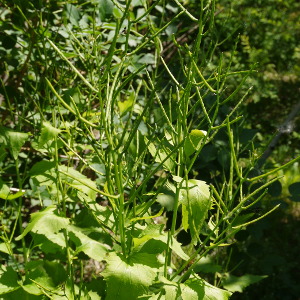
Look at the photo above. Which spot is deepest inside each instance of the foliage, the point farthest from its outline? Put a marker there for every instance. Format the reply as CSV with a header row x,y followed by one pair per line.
x,y
104,142
268,35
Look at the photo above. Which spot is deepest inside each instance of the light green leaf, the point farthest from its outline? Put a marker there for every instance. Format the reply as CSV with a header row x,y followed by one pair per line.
x,y
4,248
193,141
213,293
8,280
73,14
194,288
166,200
48,134
15,140
90,247
153,240
195,197
117,12
238,284
126,105
127,279
36,280
4,190
47,223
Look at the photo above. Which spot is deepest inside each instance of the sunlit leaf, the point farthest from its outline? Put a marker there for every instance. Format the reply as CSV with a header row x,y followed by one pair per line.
x,y
47,223
193,141
48,134
195,197
127,279
90,247
153,240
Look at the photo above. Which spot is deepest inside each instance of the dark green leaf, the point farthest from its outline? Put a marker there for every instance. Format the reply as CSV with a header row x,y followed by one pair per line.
x,y
8,280
238,284
294,189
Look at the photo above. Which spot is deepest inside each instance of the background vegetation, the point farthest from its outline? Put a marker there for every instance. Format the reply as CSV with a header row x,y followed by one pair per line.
x,y
107,98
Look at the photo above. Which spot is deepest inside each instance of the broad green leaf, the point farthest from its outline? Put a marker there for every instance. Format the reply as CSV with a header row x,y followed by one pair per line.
x,y
206,265
125,106
90,247
4,190
193,141
15,140
105,8
275,189
238,284
127,279
41,167
213,293
195,197
15,196
195,288
8,280
153,240
36,280
4,248
294,189
166,200
117,12
48,134
73,14
46,223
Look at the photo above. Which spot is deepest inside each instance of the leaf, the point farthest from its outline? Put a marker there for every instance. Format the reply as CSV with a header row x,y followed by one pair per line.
x,y
153,240
4,248
127,279
36,280
41,167
238,284
206,265
105,8
126,105
48,134
15,140
195,197
73,14
275,189
294,189
90,247
8,280
166,200
213,293
47,223
193,141
194,288
4,190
